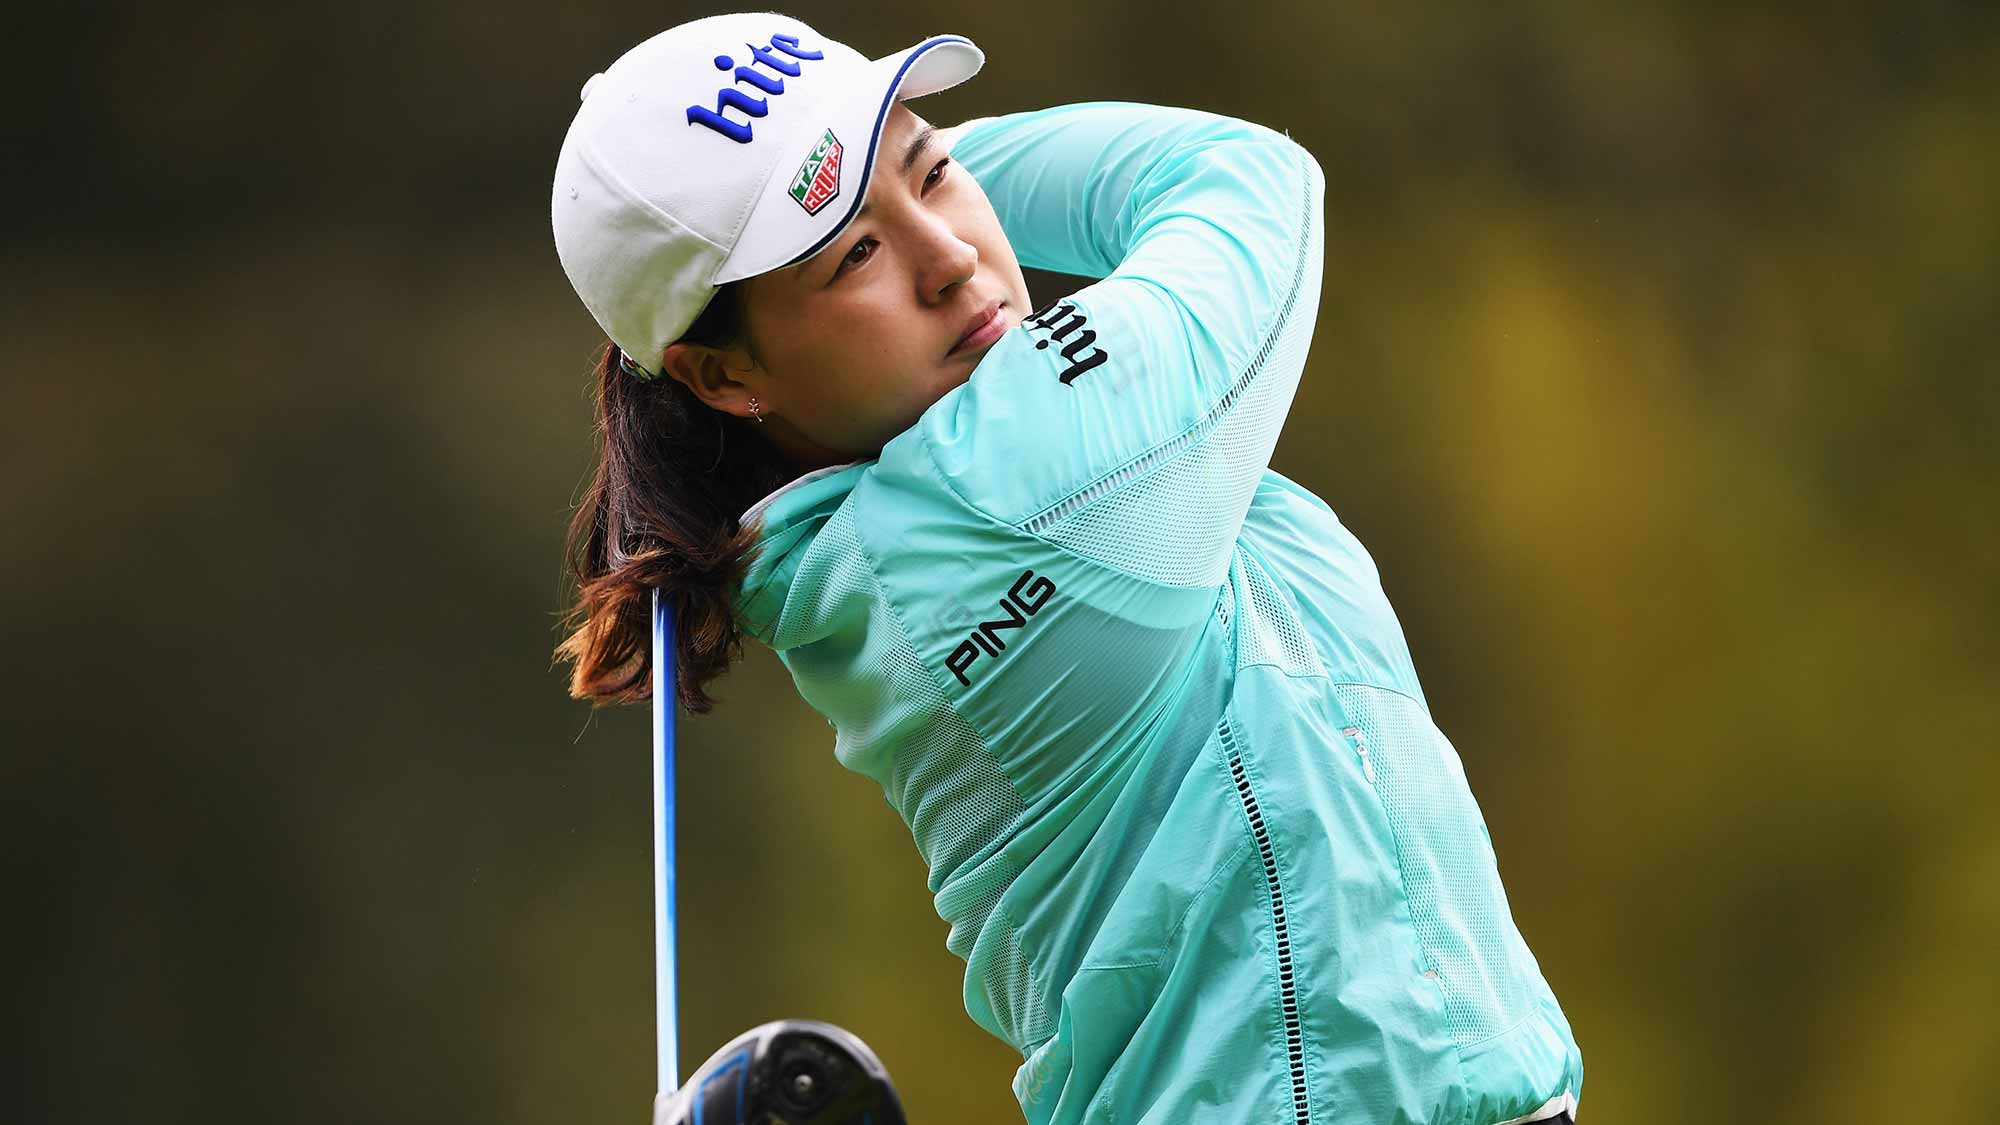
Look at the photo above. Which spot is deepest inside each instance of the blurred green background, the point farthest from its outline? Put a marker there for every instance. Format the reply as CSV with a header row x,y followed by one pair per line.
x,y
1656,366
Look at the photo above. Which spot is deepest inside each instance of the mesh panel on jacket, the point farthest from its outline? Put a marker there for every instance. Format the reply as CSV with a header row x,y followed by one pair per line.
x,y
1456,902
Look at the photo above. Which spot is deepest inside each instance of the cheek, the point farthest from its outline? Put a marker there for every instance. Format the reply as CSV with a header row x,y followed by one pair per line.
x,y
875,327
836,334
879,376
859,361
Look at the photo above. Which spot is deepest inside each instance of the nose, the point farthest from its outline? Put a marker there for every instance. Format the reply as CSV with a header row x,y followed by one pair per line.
x,y
947,260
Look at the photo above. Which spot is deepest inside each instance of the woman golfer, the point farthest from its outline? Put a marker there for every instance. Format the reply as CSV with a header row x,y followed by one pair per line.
x,y
1140,699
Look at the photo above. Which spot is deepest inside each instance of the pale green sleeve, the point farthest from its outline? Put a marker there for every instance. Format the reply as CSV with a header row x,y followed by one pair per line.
x,y
1130,423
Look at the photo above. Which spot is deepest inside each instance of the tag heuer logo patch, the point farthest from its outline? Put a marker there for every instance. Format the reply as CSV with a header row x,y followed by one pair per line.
x,y
818,179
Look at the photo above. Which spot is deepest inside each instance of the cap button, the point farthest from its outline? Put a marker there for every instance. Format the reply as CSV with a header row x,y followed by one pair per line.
x,y
585,92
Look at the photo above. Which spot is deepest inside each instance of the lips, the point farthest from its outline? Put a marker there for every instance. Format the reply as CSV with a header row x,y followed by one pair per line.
x,y
984,327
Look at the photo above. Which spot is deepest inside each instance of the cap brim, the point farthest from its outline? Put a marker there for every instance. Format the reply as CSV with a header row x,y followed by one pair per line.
x,y
785,228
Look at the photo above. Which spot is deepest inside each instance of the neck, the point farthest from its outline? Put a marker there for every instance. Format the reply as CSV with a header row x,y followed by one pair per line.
x,y
802,453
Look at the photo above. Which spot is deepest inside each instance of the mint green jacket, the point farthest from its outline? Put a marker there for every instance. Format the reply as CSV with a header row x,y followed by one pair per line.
x,y
1140,699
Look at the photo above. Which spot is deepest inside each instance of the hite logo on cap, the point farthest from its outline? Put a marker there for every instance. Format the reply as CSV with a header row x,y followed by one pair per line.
x,y
729,97
818,179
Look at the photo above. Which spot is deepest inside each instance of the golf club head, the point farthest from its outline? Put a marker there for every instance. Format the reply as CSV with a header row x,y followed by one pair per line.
x,y
788,1072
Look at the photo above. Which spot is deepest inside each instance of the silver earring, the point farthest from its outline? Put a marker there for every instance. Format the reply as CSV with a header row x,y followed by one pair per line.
x,y
756,410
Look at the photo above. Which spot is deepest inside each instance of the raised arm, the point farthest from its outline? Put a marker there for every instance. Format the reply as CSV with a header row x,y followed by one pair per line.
x,y
1140,411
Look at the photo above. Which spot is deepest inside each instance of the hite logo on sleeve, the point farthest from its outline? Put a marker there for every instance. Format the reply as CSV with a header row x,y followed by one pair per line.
x,y
1024,599
1061,319
818,179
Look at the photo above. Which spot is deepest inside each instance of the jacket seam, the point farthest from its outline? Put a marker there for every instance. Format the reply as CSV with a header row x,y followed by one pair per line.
x,y
1222,869
1388,688
1006,918
896,613
1500,1034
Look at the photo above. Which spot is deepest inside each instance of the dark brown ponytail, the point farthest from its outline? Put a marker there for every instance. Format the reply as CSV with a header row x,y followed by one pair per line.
x,y
672,477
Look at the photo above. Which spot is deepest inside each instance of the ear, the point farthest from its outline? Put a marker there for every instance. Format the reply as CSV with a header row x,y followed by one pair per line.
x,y
723,379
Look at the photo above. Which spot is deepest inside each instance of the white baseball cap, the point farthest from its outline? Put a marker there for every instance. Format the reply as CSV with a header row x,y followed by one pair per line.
x,y
718,150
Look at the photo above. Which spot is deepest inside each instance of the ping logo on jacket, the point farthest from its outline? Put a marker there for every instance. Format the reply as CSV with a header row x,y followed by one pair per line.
x,y
1022,601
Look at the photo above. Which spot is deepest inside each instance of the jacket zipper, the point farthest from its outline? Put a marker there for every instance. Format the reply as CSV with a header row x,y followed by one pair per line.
x,y
1288,991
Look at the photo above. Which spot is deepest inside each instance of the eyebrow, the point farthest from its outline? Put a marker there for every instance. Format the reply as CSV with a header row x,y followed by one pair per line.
x,y
917,145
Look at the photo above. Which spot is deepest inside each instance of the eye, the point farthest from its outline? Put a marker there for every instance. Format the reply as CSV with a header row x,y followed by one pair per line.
x,y
857,255
864,246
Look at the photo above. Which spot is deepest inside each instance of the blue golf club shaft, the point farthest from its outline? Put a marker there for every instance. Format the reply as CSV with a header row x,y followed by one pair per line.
x,y
666,1006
